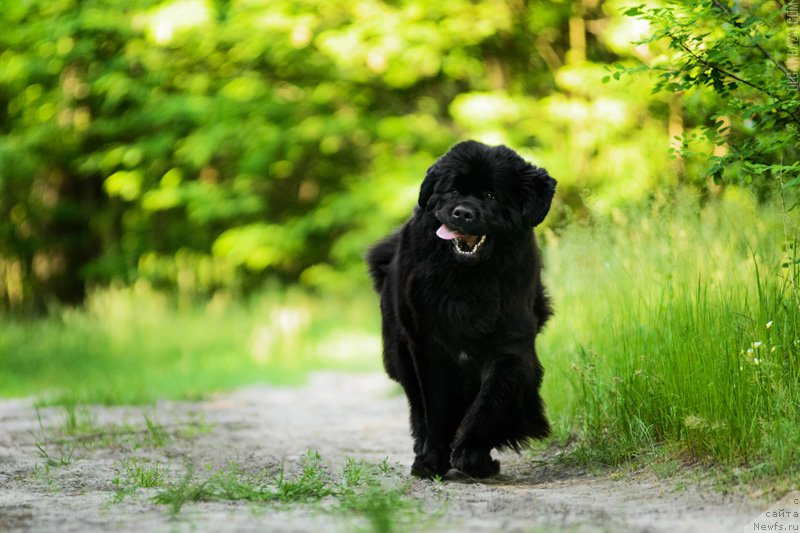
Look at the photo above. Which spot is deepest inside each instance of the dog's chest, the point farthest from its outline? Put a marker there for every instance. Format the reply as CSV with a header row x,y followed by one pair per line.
x,y
458,310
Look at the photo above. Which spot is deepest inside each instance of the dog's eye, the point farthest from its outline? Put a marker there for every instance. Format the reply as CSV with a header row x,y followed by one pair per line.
x,y
488,195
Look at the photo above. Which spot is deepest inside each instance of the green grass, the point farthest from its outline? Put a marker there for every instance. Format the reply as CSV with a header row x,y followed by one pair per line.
x,y
142,473
137,473
63,457
133,345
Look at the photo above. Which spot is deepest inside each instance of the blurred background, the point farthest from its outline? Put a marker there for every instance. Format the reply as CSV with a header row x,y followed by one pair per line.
x,y
187,189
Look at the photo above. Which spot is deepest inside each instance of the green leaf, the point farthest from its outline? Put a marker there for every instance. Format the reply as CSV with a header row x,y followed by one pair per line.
x,y
634,11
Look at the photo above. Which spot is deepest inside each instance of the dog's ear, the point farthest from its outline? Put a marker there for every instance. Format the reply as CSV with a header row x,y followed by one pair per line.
x,y
426,189
538,190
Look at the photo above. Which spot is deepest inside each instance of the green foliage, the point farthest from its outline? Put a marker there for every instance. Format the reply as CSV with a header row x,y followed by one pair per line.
x,y
734,66
208,146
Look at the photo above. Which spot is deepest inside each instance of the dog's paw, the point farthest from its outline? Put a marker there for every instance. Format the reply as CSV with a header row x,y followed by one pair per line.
x,y
430,465
474,462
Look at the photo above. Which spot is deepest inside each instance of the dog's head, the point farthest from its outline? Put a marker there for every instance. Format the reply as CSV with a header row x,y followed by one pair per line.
x,y
478,192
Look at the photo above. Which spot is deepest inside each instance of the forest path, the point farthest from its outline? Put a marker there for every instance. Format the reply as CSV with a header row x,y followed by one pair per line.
x,y
338,415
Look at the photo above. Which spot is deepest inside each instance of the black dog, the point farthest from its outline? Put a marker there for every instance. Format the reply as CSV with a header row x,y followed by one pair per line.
x,y
462,302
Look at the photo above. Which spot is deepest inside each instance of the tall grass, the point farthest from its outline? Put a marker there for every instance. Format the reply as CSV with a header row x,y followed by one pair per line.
x,y
681,327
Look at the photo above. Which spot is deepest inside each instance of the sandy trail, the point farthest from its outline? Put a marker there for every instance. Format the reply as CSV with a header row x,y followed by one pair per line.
x,y
340,416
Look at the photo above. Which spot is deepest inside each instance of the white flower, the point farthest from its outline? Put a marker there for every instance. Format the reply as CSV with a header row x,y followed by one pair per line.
x,y
757,344
769,324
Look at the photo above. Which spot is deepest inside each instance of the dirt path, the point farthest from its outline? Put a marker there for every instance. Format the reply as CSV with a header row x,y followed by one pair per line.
x,y
340,416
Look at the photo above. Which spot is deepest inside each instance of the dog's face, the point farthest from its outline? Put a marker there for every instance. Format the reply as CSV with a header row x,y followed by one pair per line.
x,y
479,192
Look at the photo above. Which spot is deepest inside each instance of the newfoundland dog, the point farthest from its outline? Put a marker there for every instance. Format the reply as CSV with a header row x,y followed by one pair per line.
x,y
462,301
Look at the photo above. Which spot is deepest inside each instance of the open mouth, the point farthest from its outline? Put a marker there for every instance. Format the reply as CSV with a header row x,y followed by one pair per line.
x,y
468,244
464,244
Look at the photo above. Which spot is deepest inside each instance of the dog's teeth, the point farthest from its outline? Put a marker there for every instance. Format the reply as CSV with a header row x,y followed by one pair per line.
x,y
458,246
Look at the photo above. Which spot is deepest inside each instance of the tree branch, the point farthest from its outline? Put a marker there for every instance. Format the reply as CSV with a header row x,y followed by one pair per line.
x,y
792,80
731,75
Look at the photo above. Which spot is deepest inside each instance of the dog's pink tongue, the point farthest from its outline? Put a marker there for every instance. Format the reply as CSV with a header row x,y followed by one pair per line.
x,y
446,233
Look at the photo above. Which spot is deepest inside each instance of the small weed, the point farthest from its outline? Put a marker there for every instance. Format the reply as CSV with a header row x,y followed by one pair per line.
x,y
121,490
156,434
142,473
64,458
137,473
65,452
438,484
353,473
237,485
186,490
312,483
77,419
43,474
71,421
385,468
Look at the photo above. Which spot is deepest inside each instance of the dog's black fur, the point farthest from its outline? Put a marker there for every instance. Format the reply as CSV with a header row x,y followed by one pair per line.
x,y
459,329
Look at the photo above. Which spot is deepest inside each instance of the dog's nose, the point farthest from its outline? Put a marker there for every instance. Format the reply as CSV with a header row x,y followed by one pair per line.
x,y
463,213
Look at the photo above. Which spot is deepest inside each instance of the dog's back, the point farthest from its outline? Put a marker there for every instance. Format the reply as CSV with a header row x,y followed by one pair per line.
x,y
379,257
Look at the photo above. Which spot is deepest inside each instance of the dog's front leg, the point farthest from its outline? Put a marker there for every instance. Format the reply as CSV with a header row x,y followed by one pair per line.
x,y
485,423
440,399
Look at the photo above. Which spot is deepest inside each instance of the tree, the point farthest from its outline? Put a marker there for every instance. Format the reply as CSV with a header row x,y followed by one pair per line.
x,y
734,67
